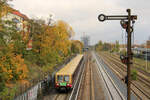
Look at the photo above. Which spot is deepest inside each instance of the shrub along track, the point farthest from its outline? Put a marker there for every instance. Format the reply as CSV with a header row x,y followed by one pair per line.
x,y
141,87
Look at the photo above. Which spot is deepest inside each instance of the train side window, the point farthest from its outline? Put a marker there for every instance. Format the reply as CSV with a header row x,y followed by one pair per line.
x,y
66,78
59,78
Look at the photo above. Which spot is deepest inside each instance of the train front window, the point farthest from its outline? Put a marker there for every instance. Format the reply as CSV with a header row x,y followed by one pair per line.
x,y
66,78
59,78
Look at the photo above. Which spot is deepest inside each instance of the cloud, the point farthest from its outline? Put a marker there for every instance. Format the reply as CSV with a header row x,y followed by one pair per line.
x,y
82,16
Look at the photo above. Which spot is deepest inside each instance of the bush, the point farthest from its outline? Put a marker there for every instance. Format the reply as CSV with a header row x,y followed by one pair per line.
x,y
94,61
134,74
7,94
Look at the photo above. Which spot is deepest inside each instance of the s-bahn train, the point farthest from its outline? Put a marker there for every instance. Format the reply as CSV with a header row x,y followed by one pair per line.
x,y
65,77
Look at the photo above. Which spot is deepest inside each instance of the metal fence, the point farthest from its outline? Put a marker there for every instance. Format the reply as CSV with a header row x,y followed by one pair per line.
x,y
31,94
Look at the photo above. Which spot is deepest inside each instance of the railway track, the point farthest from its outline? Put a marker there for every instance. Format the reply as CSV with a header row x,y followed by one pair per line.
x,y
112,90
83,85
61,96
86,84
90,84
137,68
75,91
137,87
142,78
120,73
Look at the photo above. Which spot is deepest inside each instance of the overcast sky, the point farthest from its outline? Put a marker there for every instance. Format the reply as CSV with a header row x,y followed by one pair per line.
x,y
82,16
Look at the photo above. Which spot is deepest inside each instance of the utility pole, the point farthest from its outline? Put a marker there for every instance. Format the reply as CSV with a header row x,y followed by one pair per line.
x,y
125,21
85,40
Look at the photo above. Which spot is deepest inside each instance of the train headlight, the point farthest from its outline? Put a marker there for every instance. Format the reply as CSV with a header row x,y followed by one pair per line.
x,y
57,84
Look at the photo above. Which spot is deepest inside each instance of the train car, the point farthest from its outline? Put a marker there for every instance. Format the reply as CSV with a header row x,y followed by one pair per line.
x,y
64,78
142,53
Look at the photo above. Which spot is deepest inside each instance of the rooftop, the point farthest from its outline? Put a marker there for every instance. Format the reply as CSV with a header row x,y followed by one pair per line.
x,y
15,12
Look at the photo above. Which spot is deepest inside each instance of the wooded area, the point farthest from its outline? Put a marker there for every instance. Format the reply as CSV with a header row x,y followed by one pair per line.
x,y
51,44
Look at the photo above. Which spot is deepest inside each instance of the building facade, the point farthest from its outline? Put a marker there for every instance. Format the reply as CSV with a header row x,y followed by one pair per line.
x,y
20,19
21,22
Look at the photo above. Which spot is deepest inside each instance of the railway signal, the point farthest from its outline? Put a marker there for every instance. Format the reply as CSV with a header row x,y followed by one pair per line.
x,y
123,59
125,21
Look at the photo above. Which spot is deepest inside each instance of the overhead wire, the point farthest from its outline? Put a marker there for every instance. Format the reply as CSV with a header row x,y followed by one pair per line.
x,y
133,36
133,33
124,38
126,35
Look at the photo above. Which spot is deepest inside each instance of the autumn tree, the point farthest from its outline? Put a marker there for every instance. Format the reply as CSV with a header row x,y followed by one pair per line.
x,y
12,65
117,46
11,45
99,46
76,46
55,41
103,46
51,44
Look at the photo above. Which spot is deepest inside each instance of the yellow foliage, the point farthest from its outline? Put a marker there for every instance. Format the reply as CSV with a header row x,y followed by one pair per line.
x,y
24,82
16,66
20,66
56,38
4,9
78,44
66,28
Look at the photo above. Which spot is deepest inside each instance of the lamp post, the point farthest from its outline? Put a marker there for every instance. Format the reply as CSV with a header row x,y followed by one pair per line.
x,y
126,25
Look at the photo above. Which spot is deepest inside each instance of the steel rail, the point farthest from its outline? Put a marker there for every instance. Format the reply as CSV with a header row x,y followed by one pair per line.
x,y
102,71
116,56
134,84
113,69
78,89
79,75
141,78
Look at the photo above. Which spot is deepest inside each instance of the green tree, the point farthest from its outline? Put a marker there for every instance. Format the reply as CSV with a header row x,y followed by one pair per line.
x,y
117,46
106,46
76,46
12,65
99,46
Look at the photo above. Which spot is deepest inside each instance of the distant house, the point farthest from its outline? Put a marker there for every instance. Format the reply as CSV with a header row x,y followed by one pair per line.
x,y
19,18
21,21
148,44
122,47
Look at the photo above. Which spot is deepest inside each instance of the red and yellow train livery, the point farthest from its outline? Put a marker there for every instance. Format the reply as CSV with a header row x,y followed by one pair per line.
x,y
65,77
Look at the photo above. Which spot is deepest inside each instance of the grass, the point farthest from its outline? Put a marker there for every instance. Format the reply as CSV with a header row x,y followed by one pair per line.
x,y
134,74
141,64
